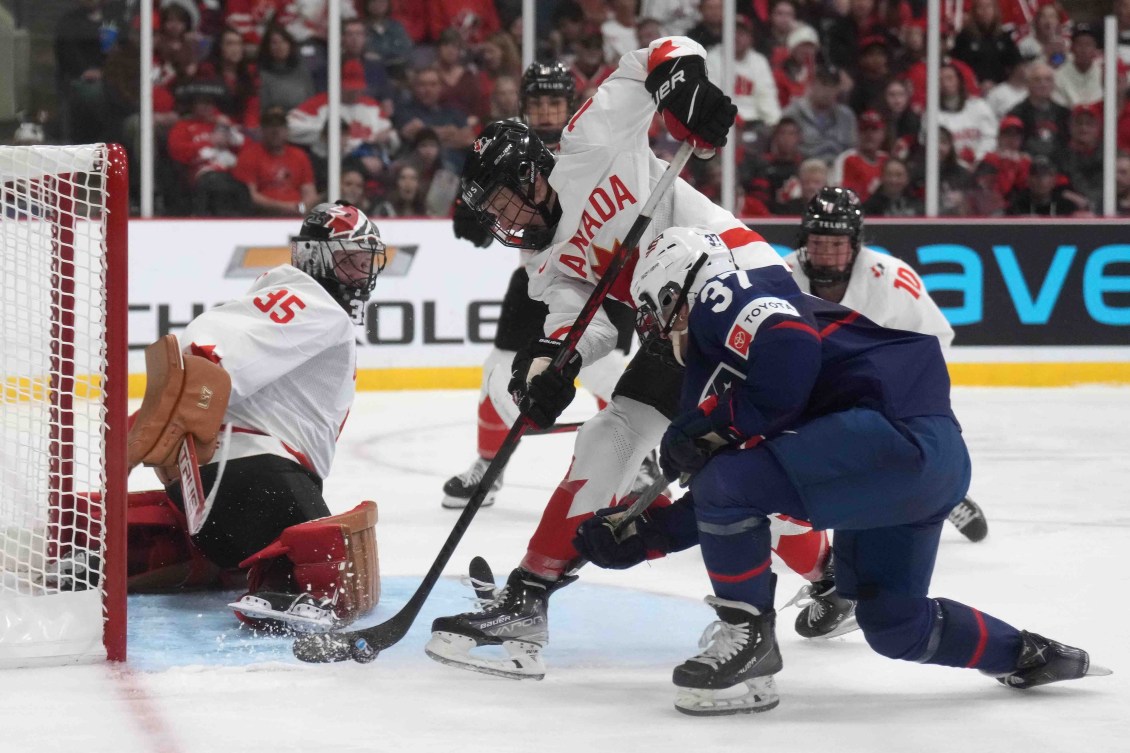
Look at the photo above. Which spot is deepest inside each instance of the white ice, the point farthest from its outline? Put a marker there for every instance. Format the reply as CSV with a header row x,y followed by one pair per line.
x,y
1050,468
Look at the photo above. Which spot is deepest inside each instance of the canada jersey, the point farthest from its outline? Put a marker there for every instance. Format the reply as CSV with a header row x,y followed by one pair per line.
x,y
604,173
787,357
888,292
290,351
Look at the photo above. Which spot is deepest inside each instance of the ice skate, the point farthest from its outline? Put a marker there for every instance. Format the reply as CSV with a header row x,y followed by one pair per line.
x,y
1044,661
969,519
516,619
286,614
823,612
734,672
458,489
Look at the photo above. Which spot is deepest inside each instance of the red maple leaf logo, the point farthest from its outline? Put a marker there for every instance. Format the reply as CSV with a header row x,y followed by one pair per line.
x,y
662,53
205,351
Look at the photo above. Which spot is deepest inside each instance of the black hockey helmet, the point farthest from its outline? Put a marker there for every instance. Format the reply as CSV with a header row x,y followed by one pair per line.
x,y
832,211
342,249
553,80
500,181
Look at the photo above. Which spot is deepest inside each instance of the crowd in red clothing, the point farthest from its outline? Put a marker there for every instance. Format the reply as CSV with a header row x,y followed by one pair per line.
x,y
827,93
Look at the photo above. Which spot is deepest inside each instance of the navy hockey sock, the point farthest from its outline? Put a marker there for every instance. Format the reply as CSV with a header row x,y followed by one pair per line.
x,y
736,553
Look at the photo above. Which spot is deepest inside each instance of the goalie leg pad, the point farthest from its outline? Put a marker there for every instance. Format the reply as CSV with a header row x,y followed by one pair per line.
x,y
332,559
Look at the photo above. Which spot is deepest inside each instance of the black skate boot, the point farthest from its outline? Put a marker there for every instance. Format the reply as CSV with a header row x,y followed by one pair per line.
x,y
1043,661
515,619
734,674
823,612
458,489
969,519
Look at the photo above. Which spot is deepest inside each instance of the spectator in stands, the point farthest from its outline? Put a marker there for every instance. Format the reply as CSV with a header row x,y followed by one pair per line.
x,y
406,197
844,34
352,189
1122,184
175,39
903,124
984,199
1010,162
1012,91
873,73
206,144
459,82
772,177
589,68
954,180
498,57
284,80
893,198
985,46
475,19
568,30
230,65
438,184
708,30
1046,38
859,168
1121,12
1045,121
505,100
353,40
647,31
677,16
1043,197
794,76
619,31
83,37
386,39
812,175
455,129
827,127
278,175
1079,81
1083,161
775,39
755,91
968,118
369,136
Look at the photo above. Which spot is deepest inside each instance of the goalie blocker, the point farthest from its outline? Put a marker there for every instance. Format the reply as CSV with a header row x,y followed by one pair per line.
x,y
266,523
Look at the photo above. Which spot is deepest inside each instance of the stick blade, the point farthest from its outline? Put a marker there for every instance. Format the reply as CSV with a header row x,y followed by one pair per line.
x,y
323,648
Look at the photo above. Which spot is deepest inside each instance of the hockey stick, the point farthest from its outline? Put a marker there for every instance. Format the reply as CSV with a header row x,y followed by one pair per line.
x,y
364,645
535,431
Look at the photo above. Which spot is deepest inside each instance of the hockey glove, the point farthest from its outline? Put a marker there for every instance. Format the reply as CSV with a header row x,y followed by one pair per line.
x,y
596,540
466,226
693,108
693,437
541,392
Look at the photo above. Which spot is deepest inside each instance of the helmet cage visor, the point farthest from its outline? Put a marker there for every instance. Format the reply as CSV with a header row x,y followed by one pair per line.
x,y
656,316
510,212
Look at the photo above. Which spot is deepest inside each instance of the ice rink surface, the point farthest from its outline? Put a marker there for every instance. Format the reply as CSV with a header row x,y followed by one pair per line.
x,y
1051,469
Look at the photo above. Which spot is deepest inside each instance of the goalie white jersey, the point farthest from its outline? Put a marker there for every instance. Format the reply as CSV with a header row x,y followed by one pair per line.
x,y
291,354
888,292
604,173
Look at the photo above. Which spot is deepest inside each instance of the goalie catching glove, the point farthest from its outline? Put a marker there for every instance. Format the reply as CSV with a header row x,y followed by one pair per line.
x,y
693,108
538,390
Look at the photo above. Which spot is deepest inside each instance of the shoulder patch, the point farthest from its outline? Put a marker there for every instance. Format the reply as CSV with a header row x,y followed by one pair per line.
x,y
750,318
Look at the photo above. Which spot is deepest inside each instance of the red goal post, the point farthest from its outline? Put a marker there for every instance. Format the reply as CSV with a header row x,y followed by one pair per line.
x,y
63,390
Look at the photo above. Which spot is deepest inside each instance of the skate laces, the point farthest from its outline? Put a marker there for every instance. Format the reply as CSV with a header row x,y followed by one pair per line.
x,y
480,586
475,473
722,641
962,515
809,597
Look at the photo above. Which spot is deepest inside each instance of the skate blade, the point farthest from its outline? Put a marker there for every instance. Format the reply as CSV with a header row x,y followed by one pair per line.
x,y
749,697
458,503
847,626
523,663
284,622
1097,670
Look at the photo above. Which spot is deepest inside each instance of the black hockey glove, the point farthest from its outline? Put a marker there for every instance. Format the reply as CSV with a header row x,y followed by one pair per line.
x,y
545,395
693,437
596,540
467,227
693,108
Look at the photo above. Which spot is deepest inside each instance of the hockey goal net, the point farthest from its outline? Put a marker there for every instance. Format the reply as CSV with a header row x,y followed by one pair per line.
x,y
63,390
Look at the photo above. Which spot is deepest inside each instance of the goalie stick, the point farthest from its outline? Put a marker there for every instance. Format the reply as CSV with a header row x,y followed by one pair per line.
x,y
363,645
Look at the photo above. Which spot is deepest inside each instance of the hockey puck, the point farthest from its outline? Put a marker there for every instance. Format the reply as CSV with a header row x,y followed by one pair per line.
x,y
362,652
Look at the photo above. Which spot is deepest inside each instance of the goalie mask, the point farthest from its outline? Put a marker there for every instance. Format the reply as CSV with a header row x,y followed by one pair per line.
x,y
834,212
548,93
340,248
672,271
505,184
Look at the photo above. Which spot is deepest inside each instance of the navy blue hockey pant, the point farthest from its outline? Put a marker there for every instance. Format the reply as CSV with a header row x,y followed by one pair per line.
x,y
885,488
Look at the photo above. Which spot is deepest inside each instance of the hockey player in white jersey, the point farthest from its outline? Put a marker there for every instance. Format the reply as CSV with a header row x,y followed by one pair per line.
x,y
832,263
548,101
578,209
288,349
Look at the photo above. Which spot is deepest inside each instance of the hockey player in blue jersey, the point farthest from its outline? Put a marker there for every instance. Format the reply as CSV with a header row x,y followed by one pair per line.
x,y
795,405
